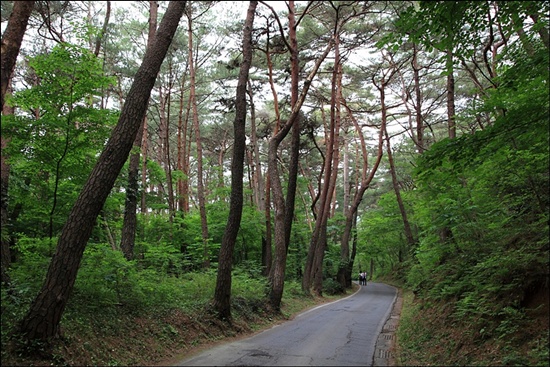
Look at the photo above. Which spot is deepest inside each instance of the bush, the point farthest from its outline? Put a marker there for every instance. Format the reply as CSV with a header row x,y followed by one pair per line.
x,y
331,287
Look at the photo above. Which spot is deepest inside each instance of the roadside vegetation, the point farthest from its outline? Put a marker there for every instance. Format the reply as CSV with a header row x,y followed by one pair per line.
x,y
122,313
431,334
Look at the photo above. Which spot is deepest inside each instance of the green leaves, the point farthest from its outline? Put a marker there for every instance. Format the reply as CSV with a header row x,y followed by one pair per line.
x,y
68,75
54,143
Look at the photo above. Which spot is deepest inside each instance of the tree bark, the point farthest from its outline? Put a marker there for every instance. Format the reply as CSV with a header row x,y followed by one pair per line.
x,y
346,260
182,182
11,41
257,177
222,293
200,178
451,118
395,183
312,279
42,320
164,116
279,262
295,141
101,35
129,224
144,157
11,44
4,181
418,103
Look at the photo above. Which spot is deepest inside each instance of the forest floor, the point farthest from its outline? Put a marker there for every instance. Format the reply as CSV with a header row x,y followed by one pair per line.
x,y
431,336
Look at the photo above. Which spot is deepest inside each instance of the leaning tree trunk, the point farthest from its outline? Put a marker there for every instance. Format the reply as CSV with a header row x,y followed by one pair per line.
x,y
11,43
408,231
12,39
395,184
42,320
222,293
4,181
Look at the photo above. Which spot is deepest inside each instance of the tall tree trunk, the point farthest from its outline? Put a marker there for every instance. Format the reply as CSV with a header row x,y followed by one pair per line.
x,y
101,34
395,183
11,44
260,187
314,261
222,293
42,320
200,178
267,243
382,89
164,113
4,184
129,224
144,158
346,260
451,118
11,41
184,148
295,142
267,253
153,6
418,102
257,177
182,140
277,273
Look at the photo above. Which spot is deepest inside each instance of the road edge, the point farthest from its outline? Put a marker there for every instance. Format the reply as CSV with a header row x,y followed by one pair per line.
x,y
384,350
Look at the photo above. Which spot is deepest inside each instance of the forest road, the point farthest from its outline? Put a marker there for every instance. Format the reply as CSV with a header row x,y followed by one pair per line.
x,y
340,333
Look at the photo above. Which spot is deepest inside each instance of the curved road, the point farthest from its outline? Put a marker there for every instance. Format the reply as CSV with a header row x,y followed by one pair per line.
x,y
341,333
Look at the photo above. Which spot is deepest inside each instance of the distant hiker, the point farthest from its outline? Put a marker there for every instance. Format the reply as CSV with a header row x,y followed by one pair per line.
x,y
365,278
362,279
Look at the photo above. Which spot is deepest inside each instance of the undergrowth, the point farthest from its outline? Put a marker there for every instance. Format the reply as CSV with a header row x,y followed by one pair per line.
x,y
430,333
122,313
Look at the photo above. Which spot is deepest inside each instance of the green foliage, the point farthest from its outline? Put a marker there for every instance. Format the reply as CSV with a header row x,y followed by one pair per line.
x,y
54,142
33,257
332,287
380,237
481,201
483,208
247,282
107,279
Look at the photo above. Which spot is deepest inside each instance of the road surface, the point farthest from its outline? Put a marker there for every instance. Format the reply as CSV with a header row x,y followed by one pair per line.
x,y
341,333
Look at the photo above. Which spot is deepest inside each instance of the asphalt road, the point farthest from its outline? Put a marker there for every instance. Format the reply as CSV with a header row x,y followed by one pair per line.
x,y
341,333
